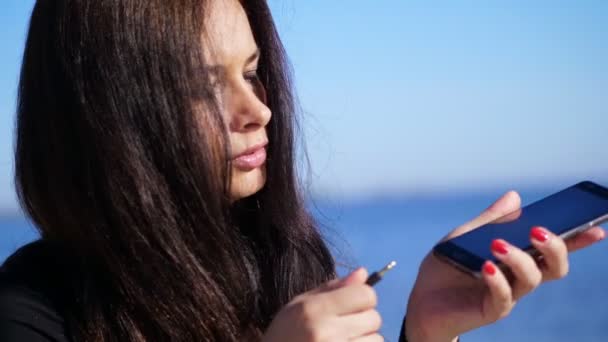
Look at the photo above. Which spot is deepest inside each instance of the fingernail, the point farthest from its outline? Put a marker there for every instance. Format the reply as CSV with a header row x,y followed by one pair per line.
x,y
355,273
500,247
489,269
347,277
539,234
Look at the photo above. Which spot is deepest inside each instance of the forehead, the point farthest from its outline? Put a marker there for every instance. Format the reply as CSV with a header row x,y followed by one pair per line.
x,y
228,38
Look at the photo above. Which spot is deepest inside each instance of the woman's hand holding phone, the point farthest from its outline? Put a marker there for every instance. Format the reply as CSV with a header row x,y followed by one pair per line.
x,y
340,310
446,302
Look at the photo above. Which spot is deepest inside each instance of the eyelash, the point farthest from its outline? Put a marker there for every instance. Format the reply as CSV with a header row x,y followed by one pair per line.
x,y
252,77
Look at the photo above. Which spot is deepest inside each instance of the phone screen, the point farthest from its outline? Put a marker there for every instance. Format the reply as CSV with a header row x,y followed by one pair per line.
x,y
560,212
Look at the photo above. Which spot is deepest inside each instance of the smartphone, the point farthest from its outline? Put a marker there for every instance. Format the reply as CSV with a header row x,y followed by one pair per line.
x,y
565,213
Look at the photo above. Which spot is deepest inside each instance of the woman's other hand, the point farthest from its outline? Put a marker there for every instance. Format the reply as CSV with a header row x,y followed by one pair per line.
x,y
446,302
340,310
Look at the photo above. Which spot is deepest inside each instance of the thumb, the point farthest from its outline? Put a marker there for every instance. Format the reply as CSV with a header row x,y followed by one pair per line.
x,y
358,276
506,204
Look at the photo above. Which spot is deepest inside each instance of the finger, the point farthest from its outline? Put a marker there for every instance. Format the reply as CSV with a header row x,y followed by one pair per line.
x,y
525,270
553,249
499,302
346,300
369,338
585,238
506,204
360,324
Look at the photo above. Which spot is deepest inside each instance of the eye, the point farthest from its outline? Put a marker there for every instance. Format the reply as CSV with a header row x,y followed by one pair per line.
x,y
252,77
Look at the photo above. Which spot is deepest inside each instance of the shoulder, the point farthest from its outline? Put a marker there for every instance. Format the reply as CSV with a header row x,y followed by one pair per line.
x,y
31,298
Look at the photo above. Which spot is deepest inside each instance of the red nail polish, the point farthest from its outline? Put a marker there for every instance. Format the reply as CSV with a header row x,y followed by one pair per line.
x,y
539,234
500,247
489,268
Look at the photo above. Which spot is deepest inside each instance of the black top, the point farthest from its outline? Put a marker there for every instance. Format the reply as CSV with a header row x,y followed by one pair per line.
x,y
33,298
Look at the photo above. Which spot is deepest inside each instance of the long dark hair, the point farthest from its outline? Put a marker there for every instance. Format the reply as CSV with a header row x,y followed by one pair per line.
x,y
115,168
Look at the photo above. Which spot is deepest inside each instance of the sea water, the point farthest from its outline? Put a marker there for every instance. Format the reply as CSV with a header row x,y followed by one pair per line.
x,y
371,232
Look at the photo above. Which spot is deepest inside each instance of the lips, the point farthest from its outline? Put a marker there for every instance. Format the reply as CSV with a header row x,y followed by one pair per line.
x,y
251,158
251,149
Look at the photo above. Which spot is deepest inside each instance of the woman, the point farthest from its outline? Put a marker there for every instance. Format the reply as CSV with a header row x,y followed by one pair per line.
x,y
155,155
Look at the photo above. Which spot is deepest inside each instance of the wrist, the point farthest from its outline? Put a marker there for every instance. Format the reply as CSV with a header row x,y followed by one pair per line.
x,y
414,338
414,331
420,338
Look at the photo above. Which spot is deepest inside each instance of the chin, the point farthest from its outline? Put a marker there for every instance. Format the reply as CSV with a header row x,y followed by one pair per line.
x,y
247,183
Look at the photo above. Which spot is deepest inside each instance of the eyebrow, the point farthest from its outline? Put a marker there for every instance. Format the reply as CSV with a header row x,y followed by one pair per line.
x,y
219,69
253,56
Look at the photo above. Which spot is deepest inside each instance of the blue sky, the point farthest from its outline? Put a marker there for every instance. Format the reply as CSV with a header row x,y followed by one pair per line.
x,y
424,96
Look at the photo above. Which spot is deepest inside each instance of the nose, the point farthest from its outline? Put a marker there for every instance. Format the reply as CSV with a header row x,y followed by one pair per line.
x,y
247,108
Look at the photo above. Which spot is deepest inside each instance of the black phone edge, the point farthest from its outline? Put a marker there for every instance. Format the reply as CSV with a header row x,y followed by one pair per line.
x,y
594,188
444,250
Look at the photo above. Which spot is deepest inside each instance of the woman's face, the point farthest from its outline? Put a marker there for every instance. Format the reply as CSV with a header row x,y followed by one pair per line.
x,y
232,55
